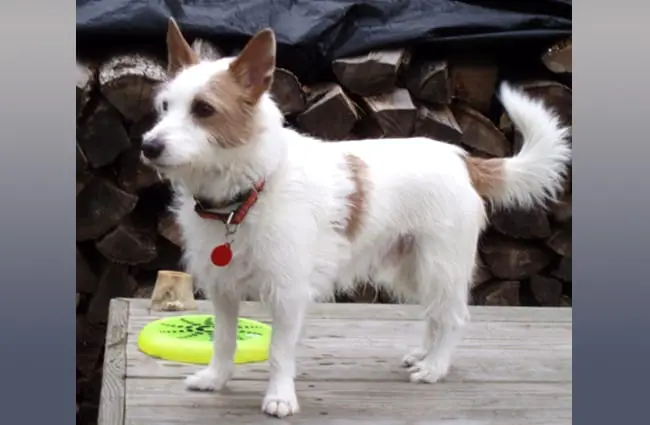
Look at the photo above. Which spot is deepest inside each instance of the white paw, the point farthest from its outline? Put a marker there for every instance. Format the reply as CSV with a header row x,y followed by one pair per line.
x,y
280,406
207,379
427,373
413,357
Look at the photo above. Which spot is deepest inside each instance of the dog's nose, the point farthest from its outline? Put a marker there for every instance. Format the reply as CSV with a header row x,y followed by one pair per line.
x,y
152,149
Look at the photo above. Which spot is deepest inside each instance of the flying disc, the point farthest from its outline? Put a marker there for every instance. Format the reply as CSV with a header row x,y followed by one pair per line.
x,y
188,339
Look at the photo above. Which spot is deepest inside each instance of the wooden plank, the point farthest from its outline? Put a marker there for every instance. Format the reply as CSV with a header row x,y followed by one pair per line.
x,y
255,310
111,407
156,401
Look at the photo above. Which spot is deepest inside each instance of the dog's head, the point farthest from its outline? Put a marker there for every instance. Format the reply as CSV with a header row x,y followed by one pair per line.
x,y
208,109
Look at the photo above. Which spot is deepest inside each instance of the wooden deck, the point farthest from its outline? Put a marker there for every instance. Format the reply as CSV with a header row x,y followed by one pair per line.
x,y
513,367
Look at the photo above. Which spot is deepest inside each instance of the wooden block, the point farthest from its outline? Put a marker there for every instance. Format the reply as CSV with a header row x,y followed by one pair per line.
x,y
438,123
508,259
287,91
473,82
128,83
522,224
173,291
100,207
330,114
371,74
560,241
498,293
480,134
102,137
127,244
85,79
394,113
546,290
429,82
206,50
559,57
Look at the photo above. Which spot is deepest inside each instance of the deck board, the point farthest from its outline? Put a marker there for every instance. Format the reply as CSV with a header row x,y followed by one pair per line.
x,y
513,366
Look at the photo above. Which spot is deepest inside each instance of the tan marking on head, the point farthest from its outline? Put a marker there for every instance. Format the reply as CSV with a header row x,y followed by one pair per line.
x,y
486,175
231,122
358,199
179,53
253,68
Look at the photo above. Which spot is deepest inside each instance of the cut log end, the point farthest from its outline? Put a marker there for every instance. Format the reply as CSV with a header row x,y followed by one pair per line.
x,y
394,113
287,92
480,134
438,123
173,291
85,79
129,81
429,82
474,82
372,74
102,137
559,57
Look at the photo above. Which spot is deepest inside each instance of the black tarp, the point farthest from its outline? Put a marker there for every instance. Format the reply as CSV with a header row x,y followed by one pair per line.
x,y
320,30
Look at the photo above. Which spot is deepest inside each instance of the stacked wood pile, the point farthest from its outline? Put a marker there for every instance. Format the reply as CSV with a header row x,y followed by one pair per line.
x,y
124,234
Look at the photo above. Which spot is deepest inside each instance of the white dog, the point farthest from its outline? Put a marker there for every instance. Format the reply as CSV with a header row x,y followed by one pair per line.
x,y
267,210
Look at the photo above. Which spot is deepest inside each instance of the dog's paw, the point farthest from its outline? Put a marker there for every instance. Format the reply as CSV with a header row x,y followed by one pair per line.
x,y
413,357
280,406
207,379
427,373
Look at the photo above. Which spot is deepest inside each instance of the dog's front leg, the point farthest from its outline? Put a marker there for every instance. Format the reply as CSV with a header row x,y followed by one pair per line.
x,y
216,375
288,317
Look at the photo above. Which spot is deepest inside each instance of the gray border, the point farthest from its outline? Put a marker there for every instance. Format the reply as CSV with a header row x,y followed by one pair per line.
x,y
611,343
37,175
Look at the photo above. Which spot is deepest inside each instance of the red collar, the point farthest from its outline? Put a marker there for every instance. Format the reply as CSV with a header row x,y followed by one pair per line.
x,y
205,208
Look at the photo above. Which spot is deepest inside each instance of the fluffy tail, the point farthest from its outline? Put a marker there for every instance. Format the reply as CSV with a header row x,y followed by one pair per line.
x,y
535,174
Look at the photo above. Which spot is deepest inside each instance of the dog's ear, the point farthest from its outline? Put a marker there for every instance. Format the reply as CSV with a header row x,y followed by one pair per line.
x,y
253,68
179,53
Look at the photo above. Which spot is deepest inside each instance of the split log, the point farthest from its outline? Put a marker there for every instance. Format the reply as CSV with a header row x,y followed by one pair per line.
x,y
100,207
562,209
114,282
498,293
128,83
86,280
82,172
559,57
132,174
546,290
556,96
513,260
85,82
473,82
168,257
127,244
429,82
206,50
438,123
372,74
563,270
481,273
480,134
169,229
287,92
565,301
331,114
102,137
173,291
393,112
522,224
560,242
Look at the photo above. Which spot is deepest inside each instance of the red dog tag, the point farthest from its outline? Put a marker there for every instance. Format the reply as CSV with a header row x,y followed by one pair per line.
x,y
221,255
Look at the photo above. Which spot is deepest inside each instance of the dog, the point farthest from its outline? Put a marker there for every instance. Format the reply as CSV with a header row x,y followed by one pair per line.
x,y
266,210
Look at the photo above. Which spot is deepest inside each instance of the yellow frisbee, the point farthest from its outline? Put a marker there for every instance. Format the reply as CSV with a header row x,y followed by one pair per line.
x,y
188,339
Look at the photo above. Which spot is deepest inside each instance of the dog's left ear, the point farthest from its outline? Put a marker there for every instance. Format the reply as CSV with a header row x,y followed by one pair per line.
x,y
179,53
253,68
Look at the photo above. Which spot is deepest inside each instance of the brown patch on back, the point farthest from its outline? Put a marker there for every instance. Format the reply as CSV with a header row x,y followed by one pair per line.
x,y
358,199
402,247
231,124
486,175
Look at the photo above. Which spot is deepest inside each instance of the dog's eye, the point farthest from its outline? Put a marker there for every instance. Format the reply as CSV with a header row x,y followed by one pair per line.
x,y
163,106
202,109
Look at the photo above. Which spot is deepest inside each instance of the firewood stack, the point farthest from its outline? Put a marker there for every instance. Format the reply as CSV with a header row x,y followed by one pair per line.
x,y
124,234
